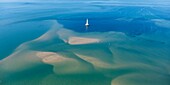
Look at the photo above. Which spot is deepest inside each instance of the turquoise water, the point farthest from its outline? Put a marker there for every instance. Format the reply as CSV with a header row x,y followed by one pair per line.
x,y
46,42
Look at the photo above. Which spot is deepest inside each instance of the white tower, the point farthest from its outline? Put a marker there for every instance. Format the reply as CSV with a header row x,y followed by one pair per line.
x,y
87,23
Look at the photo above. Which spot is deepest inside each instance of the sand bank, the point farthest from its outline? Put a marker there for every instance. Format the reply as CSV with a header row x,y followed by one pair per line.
x,y
82,40
94,61
62,64
51,57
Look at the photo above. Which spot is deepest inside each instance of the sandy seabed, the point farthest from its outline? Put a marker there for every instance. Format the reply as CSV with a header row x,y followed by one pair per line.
x,y
94,58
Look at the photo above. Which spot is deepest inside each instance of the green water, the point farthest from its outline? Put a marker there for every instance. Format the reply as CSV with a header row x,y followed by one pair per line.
x,y
117,59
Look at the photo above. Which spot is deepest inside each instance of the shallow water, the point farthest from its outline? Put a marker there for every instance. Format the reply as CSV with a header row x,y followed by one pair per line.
x,y
46,43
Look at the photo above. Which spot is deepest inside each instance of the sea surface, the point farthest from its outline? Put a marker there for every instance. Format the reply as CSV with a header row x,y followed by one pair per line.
x,y
47,42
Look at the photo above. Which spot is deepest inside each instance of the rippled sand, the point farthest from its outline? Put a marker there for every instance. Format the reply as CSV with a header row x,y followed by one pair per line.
x,y
94,58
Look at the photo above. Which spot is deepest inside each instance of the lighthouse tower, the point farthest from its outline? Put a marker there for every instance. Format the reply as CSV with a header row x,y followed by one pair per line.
x,y
87,23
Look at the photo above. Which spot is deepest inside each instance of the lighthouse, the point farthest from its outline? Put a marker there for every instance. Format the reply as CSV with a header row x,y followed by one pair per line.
x,y
87,23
